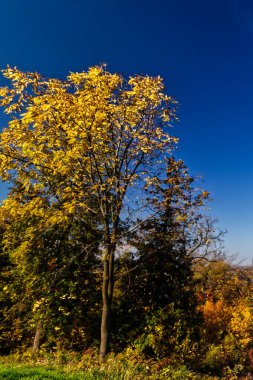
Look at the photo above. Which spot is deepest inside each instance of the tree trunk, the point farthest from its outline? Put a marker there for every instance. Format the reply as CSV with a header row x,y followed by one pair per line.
x,y
37,337
105,322
107,295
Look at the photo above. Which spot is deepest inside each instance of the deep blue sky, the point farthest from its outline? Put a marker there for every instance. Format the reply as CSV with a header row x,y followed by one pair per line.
x,y
203,50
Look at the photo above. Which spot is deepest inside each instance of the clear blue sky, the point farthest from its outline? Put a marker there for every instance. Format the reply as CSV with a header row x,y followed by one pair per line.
x,y
203,50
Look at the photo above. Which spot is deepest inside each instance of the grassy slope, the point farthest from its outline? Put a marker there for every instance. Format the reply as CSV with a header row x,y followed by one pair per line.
x,y
14,372
29,372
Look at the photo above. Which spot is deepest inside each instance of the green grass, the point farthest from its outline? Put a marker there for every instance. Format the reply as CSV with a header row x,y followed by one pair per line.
x,y
63,366
34,372
29,372
14,372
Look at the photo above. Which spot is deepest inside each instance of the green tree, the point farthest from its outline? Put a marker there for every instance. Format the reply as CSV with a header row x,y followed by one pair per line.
x,y
52,288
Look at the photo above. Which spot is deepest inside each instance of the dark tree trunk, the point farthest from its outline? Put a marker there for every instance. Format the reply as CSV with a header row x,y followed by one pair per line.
x,y
107,295
37,337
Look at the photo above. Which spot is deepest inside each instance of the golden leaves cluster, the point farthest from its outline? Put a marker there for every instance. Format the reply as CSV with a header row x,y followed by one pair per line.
x,y
78,144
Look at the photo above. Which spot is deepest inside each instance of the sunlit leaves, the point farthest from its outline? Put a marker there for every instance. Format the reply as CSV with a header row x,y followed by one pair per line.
x,y
91,134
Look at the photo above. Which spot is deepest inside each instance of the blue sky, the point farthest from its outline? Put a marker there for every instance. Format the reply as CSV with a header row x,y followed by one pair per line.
x,y
202,49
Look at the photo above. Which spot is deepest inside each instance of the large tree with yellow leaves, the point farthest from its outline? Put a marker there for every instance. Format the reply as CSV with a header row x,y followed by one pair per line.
x,y
84,147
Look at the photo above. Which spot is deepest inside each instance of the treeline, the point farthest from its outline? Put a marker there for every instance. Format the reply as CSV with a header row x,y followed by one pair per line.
x,y
104,238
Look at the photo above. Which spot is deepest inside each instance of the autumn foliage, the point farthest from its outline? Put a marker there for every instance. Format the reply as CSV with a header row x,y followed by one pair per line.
x,y
98,203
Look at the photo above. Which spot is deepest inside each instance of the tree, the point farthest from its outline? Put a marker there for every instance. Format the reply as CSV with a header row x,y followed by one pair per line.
x,y
87,146
50,286
156,273
226,332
